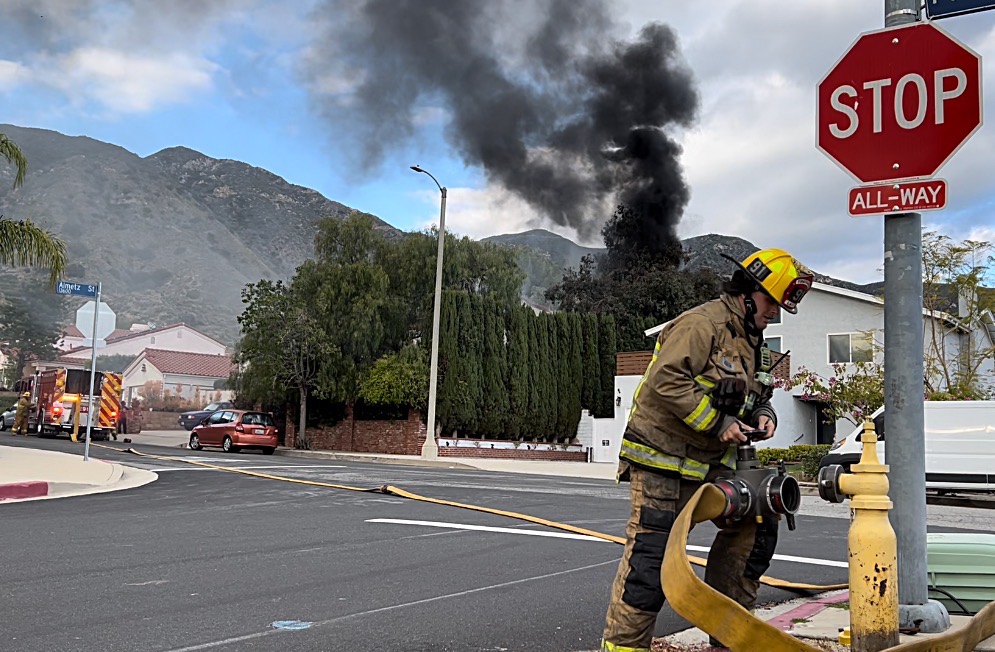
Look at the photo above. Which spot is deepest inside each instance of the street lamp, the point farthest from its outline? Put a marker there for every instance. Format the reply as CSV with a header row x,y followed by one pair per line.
x,y
430,449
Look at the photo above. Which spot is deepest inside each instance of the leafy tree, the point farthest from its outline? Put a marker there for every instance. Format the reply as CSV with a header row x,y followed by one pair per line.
x,y
639,286
852,393
955,275
347,291
22,242
399,379
31,324
494,388
283,346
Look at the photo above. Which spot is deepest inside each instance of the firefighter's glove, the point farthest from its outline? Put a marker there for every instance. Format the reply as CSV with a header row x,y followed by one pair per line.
x,y
729,395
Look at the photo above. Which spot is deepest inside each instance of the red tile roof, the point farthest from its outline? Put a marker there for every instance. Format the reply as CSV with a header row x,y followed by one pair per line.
x,y
117,334
190,364
72,331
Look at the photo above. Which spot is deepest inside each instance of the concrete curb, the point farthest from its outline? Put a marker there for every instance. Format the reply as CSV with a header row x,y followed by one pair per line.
x,y
372,459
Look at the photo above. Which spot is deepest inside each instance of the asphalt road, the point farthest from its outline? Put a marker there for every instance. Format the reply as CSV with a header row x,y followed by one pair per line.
x,y
210,560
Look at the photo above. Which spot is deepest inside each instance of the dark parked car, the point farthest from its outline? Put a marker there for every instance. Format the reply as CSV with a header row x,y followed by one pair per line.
x,y
190,419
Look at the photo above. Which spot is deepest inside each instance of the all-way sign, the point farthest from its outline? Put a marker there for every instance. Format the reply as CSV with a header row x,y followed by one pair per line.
x,y
908,197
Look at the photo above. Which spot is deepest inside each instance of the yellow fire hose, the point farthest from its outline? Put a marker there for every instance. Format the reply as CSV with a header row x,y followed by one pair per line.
x,y
736,627
689,596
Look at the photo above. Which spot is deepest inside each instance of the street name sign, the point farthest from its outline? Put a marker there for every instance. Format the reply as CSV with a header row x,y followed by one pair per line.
x,y
898,198
76,289
947,8
899,103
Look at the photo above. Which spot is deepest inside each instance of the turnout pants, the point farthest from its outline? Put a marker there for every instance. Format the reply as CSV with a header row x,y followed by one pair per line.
x,y
737,559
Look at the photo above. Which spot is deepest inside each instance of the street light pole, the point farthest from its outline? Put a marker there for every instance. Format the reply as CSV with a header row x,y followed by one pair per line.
x,y
430,449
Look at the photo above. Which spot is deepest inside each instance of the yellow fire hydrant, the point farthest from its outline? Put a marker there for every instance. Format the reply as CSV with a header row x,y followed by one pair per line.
x,y
873,548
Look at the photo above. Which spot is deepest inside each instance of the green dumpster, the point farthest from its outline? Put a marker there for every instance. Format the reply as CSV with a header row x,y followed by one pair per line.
x,y
961,570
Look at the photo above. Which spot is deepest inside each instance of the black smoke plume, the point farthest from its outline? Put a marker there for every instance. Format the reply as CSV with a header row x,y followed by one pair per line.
x,y
537,93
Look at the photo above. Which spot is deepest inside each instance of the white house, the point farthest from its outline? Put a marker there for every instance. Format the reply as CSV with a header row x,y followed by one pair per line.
x,y
188,375
833,325
174,337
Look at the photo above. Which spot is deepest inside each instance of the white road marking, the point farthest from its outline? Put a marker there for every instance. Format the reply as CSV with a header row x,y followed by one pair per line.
x,y
371,612
251,468
583,537
484,528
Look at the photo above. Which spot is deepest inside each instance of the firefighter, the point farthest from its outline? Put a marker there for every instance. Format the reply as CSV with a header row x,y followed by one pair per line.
x,y
21,416
689,412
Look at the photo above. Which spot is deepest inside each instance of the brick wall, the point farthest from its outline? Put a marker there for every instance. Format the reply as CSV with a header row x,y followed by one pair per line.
x,y
513,454
155,420
406,438
387,437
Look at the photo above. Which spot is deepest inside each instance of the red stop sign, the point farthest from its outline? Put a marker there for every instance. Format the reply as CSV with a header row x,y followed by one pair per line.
x,y
899,103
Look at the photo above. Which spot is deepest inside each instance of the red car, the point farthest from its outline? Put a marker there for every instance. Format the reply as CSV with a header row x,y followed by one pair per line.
x,y
234,430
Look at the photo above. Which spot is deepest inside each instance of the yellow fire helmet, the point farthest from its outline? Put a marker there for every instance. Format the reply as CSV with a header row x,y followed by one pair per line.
x,y
785,279
26,395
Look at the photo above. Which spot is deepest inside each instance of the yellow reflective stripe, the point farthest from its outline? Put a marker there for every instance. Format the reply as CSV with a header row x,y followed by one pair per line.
x,y
646,456
703,415
656,352
729,459
607,646
653,459
704,382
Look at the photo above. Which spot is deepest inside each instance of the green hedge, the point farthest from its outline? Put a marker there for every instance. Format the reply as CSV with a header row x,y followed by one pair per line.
x,y
808,455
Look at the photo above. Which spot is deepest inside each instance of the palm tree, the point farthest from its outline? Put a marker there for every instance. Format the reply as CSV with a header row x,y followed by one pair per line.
x,y
14,156
22,242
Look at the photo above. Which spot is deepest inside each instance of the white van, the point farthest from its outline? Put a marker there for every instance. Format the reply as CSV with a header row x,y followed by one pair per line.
x,y
960,445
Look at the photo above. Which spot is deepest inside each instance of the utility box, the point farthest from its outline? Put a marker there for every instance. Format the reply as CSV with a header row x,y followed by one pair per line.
x,y
961,569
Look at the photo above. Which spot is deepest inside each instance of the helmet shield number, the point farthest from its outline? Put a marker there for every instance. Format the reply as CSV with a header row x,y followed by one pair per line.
x,y
795,292
758,269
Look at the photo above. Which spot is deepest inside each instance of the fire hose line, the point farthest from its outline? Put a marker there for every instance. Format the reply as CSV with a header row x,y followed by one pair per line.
x,y
736,627
689,596
698,603
401,493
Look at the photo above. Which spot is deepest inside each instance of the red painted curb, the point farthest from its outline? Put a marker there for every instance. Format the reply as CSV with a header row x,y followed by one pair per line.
x,y
19,490
807,610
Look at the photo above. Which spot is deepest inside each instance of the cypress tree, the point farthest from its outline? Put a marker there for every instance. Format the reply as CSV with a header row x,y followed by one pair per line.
x,y
448,394
576,375
519,370
468,365
607,350
551,376
591,378
533,423
494,392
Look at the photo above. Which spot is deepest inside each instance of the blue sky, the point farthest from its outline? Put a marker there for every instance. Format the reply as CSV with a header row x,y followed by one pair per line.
x,y
239,81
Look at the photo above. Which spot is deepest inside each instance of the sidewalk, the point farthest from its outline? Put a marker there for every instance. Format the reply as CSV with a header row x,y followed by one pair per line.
x,y
816,621
32,474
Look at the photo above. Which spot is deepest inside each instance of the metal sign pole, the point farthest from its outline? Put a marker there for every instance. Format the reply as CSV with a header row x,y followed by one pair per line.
x,y
93,375
905,445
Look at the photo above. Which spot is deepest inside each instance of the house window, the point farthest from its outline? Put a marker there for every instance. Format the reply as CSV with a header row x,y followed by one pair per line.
x,y
773,343
143,367
776,320
152,340
851,347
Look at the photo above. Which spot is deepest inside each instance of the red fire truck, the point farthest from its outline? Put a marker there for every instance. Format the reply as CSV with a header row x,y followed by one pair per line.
x,y
60,393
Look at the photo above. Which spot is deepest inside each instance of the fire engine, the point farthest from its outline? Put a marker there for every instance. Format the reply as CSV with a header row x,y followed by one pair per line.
x,y
60,393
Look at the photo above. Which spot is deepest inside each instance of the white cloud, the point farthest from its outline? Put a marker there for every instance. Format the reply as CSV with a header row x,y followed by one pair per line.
x,y
129,83
480,212
11,74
